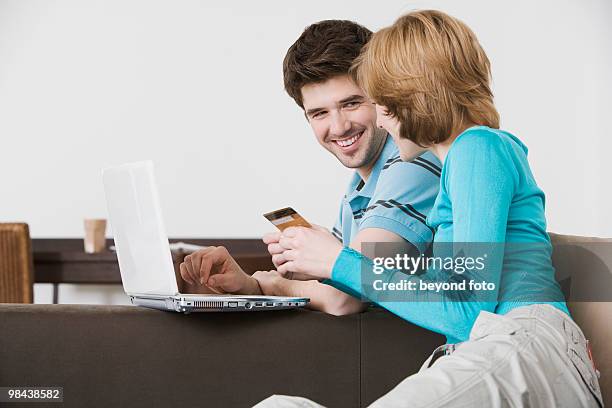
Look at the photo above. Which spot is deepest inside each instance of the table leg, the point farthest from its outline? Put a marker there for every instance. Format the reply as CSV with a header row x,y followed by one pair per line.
x,y
55,293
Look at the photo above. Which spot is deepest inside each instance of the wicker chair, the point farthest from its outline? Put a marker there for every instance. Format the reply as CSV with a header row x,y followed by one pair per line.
x,y
16,267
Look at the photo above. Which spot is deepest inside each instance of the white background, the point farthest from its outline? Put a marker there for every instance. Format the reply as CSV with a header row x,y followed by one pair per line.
x,y
197,87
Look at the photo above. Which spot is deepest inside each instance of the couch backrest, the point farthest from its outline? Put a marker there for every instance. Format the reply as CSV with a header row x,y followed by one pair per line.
x,y
107,356
584,268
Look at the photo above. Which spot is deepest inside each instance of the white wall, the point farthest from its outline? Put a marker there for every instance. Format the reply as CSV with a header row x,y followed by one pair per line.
x,y
197,87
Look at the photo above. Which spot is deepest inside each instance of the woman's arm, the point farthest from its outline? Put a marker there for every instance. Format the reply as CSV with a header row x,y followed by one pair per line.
x,y
479,180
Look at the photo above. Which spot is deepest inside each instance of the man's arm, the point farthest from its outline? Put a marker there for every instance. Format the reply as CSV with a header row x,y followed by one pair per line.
x,y
324,297
215,267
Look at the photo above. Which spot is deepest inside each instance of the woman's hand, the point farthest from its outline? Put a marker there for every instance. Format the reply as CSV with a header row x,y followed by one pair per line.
x,y
308,251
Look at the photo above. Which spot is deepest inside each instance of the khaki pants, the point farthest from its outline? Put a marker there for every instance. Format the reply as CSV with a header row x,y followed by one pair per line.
x,y
534,356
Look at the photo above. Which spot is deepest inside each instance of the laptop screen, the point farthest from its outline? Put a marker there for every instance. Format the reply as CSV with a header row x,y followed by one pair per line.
x,y
140,237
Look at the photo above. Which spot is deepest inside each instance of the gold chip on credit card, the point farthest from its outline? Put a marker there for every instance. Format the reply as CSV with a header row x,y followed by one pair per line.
x,y
285,218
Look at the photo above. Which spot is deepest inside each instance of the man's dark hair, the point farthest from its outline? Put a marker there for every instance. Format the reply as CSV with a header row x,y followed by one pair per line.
x,y
324,50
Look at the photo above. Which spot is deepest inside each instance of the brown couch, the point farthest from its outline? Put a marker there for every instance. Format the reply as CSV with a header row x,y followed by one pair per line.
x,y
126,356
111,356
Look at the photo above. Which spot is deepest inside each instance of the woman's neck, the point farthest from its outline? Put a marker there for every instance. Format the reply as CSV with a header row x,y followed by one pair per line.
x,y
441,149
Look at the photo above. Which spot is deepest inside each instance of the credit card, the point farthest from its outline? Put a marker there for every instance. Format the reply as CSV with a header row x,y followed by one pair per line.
x,y
285,218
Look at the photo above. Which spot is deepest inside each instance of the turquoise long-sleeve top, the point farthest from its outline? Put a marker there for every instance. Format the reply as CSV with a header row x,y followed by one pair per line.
x,y
487,195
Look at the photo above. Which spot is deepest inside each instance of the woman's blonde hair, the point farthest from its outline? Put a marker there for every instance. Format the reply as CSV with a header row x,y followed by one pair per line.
x,y
431,73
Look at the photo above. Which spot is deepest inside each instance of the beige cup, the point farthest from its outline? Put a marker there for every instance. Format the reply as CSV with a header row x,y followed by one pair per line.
x,y
95,235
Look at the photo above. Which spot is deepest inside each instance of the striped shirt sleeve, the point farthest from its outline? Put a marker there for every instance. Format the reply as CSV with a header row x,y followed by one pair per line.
x,y
404,195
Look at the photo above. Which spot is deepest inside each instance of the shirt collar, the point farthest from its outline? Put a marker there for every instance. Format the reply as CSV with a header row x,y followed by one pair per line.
x,y
367,188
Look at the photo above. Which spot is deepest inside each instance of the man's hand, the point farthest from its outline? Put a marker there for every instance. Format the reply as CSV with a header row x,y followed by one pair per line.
x,y
214,267
268,281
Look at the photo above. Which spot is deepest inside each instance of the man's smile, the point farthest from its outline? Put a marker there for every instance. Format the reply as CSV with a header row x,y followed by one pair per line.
x,y
345,144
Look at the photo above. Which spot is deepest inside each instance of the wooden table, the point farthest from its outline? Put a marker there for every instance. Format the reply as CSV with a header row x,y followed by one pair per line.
x,y
64,261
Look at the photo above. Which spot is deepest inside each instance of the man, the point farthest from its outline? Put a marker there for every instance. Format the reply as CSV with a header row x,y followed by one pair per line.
x,y
386,201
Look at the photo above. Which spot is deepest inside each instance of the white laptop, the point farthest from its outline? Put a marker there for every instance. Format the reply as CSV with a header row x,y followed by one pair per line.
x,y
143,251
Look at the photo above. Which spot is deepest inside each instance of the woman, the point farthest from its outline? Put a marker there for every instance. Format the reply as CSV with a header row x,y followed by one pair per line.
x,y
516,346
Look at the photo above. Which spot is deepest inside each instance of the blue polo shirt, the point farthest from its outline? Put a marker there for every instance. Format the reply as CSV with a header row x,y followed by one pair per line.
x,y
397,197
